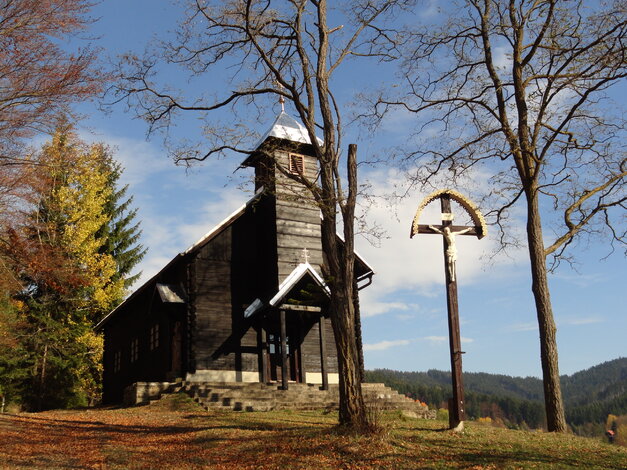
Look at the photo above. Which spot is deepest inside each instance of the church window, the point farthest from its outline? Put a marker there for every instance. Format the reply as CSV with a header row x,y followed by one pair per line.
x,y
154,336
134,349
297,164
117,361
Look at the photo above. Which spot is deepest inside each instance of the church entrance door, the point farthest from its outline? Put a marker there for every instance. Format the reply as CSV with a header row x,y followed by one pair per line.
x,y
275,357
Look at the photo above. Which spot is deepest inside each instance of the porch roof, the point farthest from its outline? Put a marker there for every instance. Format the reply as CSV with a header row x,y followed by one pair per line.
x,y
301,272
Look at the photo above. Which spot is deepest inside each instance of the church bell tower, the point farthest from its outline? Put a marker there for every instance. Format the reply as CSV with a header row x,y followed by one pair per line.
x,y
283,151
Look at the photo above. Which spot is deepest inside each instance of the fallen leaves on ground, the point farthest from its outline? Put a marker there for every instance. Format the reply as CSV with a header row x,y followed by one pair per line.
x,y
175,433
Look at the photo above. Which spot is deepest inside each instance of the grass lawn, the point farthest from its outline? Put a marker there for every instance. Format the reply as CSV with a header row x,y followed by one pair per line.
x,y
176,433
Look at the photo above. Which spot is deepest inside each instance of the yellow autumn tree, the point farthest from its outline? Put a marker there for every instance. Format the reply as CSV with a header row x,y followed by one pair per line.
x,y
82,200
68,281
79,195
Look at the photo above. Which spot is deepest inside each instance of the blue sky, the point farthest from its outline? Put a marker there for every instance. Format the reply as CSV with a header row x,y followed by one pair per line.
x,y
404,311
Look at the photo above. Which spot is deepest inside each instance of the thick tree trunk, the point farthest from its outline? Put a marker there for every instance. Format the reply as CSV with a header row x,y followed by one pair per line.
x,y
556,421
341,277
352,408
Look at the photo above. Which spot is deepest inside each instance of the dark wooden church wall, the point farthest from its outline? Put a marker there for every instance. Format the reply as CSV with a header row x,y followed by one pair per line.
x,y
212,268
251,240
133,324
261,232
229,272
331,347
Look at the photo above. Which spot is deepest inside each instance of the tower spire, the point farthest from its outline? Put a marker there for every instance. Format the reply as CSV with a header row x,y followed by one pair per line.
x,y
281,97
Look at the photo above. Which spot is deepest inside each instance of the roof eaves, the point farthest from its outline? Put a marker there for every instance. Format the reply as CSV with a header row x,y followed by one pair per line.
x,y
206,238
225,223
140,289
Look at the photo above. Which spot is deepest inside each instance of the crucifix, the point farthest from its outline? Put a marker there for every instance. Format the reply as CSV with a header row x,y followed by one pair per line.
x,y
448,232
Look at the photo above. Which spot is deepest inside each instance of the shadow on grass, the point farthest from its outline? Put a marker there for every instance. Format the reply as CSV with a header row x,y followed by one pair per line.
x,y
250,441
61,425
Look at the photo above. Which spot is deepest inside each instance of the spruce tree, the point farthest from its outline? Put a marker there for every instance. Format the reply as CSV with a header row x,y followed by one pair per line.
x,y
121,233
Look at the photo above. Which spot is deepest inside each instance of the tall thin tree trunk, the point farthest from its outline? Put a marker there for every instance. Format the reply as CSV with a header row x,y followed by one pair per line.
x,y
556,421
42,379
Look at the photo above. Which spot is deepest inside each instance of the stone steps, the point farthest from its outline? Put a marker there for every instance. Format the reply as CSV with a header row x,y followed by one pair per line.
x,y
237,396
267,397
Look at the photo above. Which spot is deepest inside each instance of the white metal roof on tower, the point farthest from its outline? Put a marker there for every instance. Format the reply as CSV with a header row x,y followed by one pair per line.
x,y
288,128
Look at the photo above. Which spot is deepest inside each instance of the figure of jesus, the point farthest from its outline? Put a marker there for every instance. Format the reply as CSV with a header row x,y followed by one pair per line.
x,y
451,250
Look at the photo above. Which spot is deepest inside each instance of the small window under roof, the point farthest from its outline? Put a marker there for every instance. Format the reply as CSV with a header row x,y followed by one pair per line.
x,y
170,294
296,164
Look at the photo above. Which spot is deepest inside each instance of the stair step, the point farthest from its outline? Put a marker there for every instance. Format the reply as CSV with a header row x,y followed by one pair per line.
x,y
239,396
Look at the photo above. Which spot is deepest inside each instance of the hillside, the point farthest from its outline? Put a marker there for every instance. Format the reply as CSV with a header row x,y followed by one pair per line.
x,y
589,395
176,433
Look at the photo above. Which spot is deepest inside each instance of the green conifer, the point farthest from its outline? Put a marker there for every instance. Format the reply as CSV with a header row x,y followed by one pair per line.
x,y
121,233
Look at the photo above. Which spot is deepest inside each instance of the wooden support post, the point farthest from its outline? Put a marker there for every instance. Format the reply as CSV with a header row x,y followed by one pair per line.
x,y
456,415
264,355
284,385
323,354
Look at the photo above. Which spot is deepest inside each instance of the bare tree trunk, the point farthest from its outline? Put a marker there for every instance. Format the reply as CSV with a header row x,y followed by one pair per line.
x,y
341,274
42,379
556,421
352,408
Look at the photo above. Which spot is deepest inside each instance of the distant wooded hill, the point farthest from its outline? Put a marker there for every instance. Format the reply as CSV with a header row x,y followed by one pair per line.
x,y
589,395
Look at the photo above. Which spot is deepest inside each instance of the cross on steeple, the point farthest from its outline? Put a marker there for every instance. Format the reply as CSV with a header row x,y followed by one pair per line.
x,y
281,97
305,255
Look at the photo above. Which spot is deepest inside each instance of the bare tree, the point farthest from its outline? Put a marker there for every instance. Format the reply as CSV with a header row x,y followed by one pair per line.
x,y
521,89
38,78
289,49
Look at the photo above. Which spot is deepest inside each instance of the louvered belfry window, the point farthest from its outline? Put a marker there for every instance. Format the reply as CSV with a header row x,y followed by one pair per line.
x,y
297,164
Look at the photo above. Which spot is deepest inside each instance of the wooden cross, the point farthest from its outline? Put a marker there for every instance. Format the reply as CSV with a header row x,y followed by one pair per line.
x,y
448,232
305,255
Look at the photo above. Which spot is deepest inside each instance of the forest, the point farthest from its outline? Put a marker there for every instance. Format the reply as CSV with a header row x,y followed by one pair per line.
x,y
516,402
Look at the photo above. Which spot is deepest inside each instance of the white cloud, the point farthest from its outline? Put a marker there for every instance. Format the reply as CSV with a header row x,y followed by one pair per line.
x,y
398,121
383,345
175,207
524,327
210,213
432,9
572,321
436,339
140,159
387,344
502,58
405,317
416,265
378,308
578,321
580,280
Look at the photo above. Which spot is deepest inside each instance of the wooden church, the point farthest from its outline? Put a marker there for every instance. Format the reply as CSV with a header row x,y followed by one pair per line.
x,y
247,302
